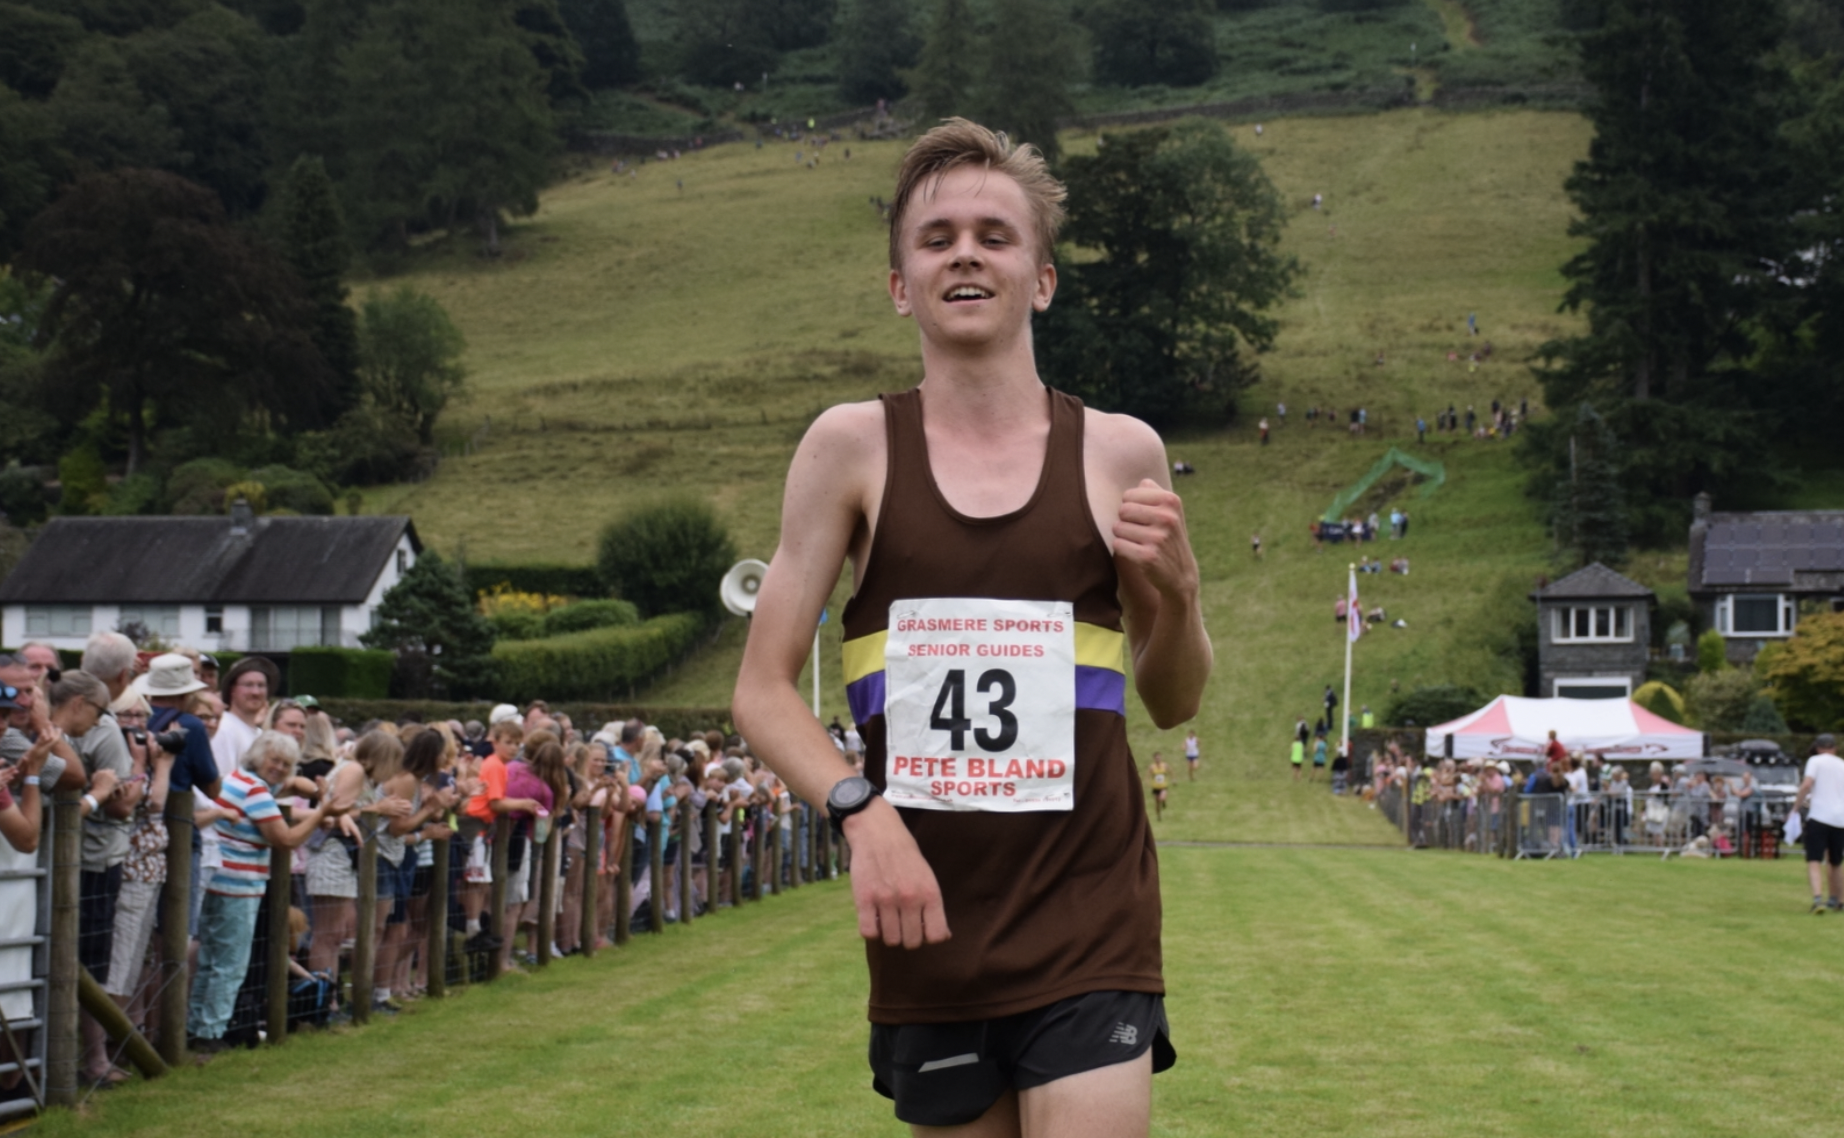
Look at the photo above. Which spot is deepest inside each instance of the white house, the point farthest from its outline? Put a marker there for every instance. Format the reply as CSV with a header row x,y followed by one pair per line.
x,y
237,583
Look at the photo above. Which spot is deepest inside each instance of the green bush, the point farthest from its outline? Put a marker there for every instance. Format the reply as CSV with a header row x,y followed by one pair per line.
x,y
293,490
597,664
550,580
1764,718
1429,706
197,487
351,673
1661,699
675,722
667,558
1712,651
517,624
1719,701
585,615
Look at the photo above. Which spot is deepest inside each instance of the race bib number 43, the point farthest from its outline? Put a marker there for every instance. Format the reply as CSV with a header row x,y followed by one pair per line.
x,y
981,705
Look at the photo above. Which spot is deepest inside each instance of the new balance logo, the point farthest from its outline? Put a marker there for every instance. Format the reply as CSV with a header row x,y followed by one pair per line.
x,y
1125,1033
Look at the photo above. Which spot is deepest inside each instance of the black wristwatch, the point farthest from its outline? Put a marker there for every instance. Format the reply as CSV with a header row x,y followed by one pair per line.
x,y
847,797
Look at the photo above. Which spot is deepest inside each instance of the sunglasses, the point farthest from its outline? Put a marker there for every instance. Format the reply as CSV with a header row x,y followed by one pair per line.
x,y
8,691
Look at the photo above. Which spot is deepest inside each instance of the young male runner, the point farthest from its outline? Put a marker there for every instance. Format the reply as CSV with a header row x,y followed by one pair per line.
x,y
1159,772
1001,538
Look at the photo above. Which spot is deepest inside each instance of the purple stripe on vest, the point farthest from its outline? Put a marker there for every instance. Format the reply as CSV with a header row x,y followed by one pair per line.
x,y
1101,689
866,697
1097,689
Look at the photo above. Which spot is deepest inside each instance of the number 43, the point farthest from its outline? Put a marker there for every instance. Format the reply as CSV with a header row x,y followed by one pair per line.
x,y
950,712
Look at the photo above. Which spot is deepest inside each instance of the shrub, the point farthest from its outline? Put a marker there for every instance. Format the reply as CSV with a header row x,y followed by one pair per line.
x,y
597,664
83,483
1806,674
516,624
23,497
293,490
551,580
585,615
1663,700
667,558
1712,651
350,673
1428,706
1764,718
1719,701
197,487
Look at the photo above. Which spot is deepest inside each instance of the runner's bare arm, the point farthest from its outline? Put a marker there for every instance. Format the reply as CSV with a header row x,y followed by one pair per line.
x,y
825,506
1158,573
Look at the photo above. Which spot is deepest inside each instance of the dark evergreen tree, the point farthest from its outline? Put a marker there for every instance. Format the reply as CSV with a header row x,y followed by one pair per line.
x,y
1035,56
554,48
721,42
1144,42
34,45
444,646
875,45
102,120
1685,204
1590,506
313,239
789,25
164,313
1162,323
29,165
611,54
947,65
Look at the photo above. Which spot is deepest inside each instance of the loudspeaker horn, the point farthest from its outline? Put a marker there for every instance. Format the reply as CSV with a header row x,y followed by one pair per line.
x,y
740,586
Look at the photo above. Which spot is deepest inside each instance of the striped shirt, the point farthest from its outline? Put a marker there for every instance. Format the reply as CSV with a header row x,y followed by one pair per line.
x,y
245,872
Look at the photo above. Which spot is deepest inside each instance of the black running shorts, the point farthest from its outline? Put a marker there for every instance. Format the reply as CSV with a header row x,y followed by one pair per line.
x,y
949,1074
1824,843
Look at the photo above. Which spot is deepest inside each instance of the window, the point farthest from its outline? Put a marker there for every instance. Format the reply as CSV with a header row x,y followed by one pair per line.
x,y
1760,614
57,620
214,621
279,628
161,620
1608,623
1594,687
403,562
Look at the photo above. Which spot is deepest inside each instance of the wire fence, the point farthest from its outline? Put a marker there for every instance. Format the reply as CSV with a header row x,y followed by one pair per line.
x,y
103,970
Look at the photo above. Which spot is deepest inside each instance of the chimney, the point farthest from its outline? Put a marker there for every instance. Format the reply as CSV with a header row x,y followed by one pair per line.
x,y
1700,507
241,515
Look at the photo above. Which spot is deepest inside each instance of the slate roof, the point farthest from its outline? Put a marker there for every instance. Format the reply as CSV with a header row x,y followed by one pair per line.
x,y
1764,548
204,560
1594,582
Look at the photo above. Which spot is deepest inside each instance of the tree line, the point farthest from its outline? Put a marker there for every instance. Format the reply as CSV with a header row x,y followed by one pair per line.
x,y
1711,271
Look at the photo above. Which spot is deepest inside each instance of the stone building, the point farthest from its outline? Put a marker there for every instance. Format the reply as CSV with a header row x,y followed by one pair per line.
x,y
1594,635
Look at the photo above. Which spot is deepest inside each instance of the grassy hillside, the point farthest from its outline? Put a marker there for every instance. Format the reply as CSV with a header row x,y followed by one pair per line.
x,y
644,340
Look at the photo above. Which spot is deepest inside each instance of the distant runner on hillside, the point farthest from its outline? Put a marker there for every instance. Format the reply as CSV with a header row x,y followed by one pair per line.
x,y
1010,551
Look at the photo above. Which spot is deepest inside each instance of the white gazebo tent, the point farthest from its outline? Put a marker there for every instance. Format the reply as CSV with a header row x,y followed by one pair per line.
x,y
1512,727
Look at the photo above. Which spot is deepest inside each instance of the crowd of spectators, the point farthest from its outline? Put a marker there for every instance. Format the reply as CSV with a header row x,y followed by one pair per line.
x,y
280,785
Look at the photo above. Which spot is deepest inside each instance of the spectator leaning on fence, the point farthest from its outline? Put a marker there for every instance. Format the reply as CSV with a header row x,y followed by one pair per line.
x,y
252,825
143,872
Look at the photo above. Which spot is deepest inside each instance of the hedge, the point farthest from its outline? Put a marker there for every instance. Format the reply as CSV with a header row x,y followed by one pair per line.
x,y
674,722
585,615
354,673
598,664
551,580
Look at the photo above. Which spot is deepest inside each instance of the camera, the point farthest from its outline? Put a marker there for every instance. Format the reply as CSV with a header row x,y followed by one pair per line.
x,y
172,742
135,735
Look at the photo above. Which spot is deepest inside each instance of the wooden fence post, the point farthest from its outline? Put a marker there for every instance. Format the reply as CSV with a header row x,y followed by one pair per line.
x,y
760,853
435,945
797,840
280,895
624,885
365,941
496,893
547,894
736,857
713,859
688,896
824,825
656,875
592,858
61,994
175,929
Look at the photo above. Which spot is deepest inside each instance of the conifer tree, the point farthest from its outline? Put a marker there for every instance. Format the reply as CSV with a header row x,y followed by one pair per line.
x,y
875,45
942,80
1590,511
1037,55
444,646
315,245
611,55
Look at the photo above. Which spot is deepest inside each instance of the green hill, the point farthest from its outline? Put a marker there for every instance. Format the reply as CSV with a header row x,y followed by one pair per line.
x,y
642,340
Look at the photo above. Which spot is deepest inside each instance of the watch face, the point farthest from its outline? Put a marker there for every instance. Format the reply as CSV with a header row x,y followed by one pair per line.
x,y
851,793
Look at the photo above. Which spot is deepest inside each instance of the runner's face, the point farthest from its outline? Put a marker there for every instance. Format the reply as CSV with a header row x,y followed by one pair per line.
x,y
970,272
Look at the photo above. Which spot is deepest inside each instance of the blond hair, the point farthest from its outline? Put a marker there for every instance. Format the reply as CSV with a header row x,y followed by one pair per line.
x,y
958,142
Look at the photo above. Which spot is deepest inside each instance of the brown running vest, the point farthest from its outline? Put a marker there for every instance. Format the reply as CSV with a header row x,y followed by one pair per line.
x,y
1046,905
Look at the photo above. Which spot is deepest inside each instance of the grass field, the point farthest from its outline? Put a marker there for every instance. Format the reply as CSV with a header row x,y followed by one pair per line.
x,y
1312,992
642,341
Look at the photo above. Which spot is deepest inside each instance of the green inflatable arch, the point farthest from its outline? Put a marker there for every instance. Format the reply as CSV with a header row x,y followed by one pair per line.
x,y
1434,472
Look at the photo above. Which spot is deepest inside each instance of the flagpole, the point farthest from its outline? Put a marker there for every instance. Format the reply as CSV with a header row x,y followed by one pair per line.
x,y
1344,726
